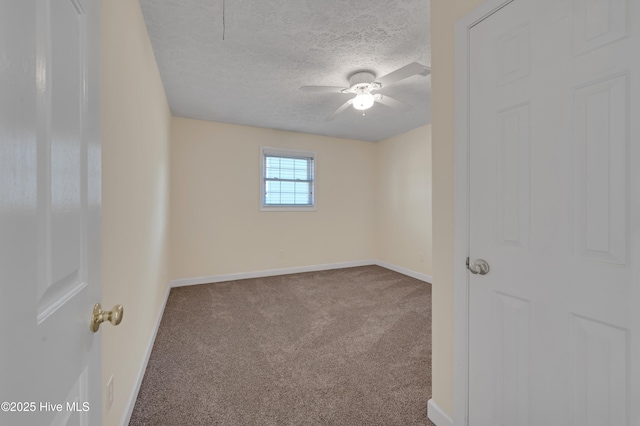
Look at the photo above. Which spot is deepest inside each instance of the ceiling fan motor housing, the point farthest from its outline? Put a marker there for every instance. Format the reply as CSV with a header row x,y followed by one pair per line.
x,y
361,78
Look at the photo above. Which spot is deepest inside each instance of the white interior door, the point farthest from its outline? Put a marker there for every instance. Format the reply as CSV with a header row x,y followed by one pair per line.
x,y
554,208
50,198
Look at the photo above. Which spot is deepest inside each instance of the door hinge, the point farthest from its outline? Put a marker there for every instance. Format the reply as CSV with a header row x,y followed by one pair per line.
x,y
467,263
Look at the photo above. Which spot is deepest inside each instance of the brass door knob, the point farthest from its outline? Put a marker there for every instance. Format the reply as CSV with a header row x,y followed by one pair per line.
x,y
114,316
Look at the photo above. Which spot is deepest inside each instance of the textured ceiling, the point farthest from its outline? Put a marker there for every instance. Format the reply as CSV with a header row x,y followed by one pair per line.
x,y
272,47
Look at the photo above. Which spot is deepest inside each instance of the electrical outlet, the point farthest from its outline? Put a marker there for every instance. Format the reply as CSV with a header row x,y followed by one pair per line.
x,y
110,393
421,256
281,253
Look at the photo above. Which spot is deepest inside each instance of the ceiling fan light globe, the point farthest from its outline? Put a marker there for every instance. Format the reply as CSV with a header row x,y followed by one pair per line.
x,y
363,101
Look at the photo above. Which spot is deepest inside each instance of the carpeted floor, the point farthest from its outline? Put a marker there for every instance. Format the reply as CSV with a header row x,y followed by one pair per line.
x,y
341,347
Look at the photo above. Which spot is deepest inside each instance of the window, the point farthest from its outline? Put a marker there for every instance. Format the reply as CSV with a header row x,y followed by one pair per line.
x,y
287,180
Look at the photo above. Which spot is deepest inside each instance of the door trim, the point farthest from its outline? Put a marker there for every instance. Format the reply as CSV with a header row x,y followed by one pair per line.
x,y
461,208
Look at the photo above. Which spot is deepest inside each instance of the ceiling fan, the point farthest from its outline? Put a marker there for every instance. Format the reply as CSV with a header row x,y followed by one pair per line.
x,y
363,83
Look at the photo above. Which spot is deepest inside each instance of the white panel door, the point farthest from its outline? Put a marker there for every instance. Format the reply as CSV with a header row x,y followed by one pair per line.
x,y
554,143
50,199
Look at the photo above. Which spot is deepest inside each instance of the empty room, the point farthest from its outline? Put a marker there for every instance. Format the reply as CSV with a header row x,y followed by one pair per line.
x,y
404,212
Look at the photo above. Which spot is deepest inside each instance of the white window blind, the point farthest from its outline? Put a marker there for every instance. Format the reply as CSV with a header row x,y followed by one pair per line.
x,y
287,178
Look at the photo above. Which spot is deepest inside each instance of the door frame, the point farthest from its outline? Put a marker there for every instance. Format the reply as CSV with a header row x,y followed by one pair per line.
x,y
462,206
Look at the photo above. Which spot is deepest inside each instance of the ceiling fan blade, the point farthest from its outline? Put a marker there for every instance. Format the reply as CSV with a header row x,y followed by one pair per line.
x,y
339,110
393,103
402,73
327,89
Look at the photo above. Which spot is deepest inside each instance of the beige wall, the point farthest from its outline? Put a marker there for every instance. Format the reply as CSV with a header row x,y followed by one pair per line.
x,y
403,200
444,14
217,227
135,147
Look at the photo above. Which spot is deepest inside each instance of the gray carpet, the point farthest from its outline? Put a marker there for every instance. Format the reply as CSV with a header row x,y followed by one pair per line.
x,y
341,347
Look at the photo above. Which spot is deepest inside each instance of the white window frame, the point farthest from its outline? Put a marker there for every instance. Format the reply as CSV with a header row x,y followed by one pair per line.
x,y
281,152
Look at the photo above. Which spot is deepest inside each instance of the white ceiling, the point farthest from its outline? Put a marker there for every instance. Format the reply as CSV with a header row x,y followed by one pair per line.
x,y
272,47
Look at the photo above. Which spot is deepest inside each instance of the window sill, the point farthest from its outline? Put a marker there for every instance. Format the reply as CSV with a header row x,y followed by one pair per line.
x,y
288,209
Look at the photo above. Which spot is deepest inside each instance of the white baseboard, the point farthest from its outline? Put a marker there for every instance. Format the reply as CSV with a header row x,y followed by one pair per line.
x,y
296,270
267,273
437,415
405,271
126,418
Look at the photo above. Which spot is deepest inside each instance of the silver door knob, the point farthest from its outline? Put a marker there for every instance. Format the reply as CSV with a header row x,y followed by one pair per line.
x,y
480,266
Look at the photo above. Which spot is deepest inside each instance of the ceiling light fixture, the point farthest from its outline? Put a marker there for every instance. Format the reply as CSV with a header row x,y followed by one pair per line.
x,y
363,100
